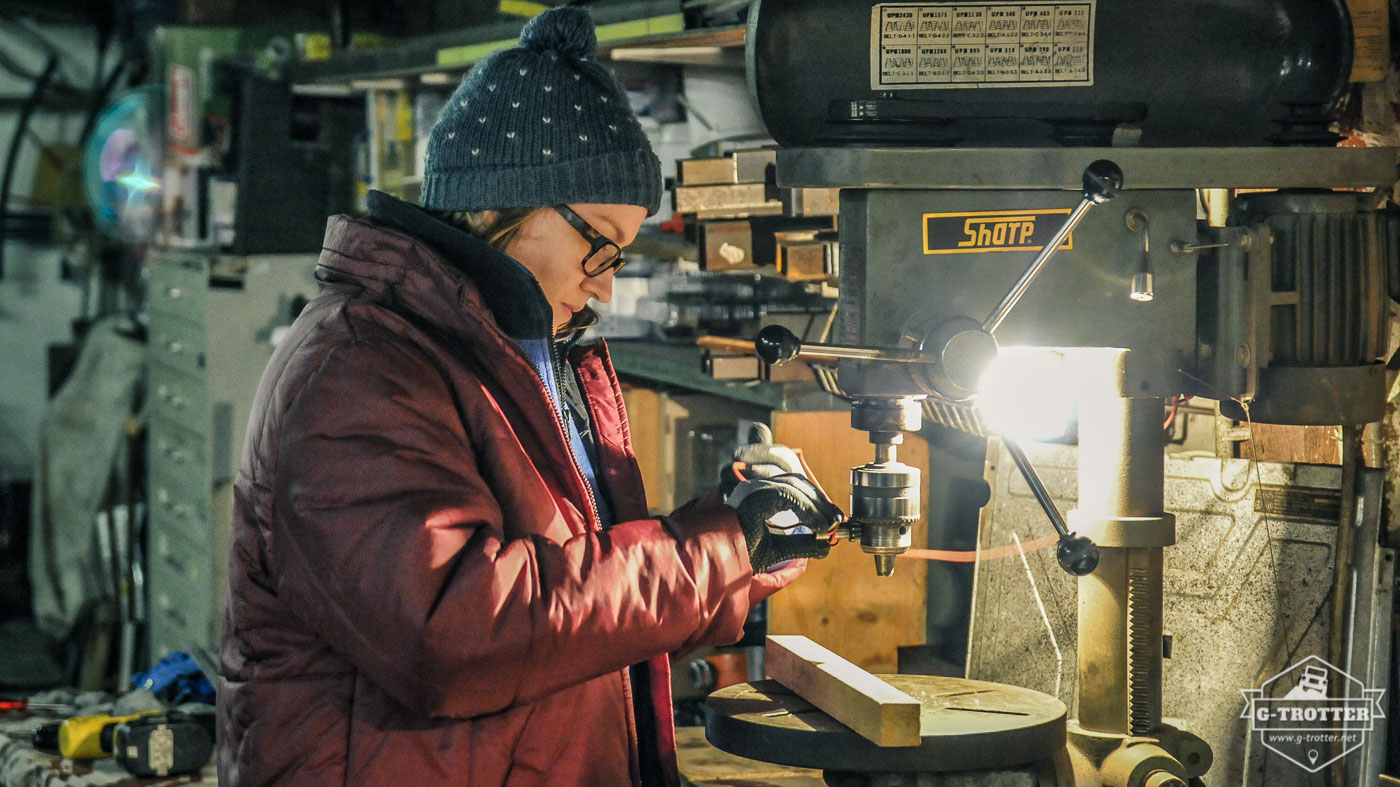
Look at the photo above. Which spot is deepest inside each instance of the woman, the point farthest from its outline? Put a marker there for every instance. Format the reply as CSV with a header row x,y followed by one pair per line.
x,y
442,569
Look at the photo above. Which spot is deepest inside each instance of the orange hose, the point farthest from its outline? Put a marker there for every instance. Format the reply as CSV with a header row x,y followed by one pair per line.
x,y
972,556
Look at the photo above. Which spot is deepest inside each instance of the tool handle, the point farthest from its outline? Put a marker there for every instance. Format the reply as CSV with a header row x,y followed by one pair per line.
x,y
725,344
1077,555
1102,179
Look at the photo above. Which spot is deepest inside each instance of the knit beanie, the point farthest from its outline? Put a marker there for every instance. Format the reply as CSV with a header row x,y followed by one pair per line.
x,y
540,124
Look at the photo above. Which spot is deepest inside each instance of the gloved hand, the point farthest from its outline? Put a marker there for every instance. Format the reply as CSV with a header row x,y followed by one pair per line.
x,y
759,500
759,458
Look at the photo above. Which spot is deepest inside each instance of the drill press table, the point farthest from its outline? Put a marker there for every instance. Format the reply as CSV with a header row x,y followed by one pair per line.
x,y
966,725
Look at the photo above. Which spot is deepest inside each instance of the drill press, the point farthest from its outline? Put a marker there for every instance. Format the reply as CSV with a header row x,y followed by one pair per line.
x,y
991,197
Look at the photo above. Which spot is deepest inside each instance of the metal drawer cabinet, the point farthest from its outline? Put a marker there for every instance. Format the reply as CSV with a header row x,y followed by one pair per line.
x,y
212,318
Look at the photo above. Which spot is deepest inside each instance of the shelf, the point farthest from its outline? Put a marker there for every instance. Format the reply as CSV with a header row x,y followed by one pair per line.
x,y
721,47
679,365
639,31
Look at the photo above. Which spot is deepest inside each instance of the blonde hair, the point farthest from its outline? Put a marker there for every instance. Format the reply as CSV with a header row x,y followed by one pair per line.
x,y
499,228
496,227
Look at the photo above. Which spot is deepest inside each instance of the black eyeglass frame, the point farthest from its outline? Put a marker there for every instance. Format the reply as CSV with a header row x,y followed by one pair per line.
x,y
597,242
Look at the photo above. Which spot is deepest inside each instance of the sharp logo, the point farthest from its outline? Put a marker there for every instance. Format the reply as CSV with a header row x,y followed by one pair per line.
x,y
993,230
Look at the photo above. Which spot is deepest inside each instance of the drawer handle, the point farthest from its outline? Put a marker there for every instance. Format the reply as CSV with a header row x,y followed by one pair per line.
x,y
175,347
175,292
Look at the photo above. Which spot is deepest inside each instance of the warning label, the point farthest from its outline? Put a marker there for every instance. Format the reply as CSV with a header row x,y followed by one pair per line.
x,y
1299,502
1046,44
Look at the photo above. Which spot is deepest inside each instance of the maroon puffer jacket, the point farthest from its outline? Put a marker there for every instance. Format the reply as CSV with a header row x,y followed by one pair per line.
x,y
418,590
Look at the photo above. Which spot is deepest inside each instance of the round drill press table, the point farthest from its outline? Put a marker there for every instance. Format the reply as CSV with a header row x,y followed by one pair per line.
x,y
967,725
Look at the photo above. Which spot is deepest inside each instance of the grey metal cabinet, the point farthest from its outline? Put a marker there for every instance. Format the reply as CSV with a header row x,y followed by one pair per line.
x,y
214,320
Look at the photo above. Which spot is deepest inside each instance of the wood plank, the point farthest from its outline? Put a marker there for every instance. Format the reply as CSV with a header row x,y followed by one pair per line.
x,y
1313,445
878,711
644,420
840,601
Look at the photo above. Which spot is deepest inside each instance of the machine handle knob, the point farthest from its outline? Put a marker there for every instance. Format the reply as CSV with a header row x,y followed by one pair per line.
x,y
1102,179
776,345
1077,555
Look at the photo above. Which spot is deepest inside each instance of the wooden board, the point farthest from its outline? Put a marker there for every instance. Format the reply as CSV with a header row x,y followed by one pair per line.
x,y
840,601
878,711
649,443
1313,445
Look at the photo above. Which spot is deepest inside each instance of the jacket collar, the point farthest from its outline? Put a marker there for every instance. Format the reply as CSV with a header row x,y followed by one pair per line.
x,y
507,288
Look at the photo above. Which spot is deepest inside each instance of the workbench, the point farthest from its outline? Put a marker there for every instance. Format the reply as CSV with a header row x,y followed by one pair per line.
x,y
23,766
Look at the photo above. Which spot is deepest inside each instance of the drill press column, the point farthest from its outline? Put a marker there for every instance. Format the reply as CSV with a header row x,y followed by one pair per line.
x,y
1120,603
1120,738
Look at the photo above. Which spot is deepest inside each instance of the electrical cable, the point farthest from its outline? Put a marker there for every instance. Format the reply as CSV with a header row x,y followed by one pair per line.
x,y
25,28
979,555
30,104
1176,403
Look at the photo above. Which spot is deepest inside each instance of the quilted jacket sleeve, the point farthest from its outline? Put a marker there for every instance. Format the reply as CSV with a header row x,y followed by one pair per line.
x,y
388,542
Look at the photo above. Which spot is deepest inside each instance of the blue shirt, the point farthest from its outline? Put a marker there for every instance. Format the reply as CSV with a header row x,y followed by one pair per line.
x,y
540,353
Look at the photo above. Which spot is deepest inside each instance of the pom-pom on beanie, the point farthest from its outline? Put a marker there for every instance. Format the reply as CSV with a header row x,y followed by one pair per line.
x,y
540,124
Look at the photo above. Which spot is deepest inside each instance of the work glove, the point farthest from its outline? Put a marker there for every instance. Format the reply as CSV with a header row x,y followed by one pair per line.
x,y
760,457
759,500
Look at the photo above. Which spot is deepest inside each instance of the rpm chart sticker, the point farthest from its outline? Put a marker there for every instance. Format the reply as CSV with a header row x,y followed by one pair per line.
x,y
1041,44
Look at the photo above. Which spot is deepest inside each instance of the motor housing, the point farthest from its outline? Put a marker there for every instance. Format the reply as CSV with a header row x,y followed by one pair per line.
x,y
1049,72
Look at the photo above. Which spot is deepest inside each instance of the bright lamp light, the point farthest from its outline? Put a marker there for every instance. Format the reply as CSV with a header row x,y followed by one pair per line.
x,y
1029,393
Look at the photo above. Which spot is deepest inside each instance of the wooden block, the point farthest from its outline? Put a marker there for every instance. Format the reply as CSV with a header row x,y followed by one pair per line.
x,y
753,165
794,372
810,201
1314,445
744,199
1370,24
730,367
878,711
725,245
705,171
804,260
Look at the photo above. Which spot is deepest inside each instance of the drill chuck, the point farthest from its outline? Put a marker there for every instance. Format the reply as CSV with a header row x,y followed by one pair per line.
x,y
884,508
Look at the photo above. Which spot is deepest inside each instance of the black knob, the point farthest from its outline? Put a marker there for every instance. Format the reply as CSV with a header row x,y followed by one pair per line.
x,y
1077,555
776,345
1102,179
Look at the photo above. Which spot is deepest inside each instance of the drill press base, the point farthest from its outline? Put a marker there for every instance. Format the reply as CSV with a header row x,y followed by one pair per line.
x,y
974,732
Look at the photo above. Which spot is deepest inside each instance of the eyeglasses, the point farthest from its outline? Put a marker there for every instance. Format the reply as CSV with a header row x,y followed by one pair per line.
x,y
603,254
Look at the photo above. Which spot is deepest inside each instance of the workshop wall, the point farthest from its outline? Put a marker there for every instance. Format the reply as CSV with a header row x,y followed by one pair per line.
x,y
37,306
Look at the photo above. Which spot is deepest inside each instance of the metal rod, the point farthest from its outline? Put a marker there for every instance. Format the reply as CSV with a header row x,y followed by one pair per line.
x,y
777,345
817,352
1178,247
1343,589
1019,288
824,351
1042,495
